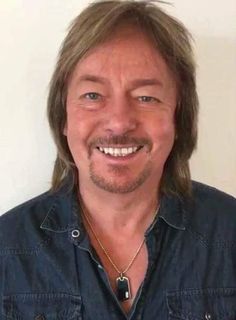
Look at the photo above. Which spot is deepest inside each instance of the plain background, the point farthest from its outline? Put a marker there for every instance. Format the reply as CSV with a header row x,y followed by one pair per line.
x,y
31,33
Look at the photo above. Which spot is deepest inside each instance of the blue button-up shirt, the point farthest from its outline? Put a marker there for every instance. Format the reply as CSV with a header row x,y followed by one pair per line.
x,y
48,269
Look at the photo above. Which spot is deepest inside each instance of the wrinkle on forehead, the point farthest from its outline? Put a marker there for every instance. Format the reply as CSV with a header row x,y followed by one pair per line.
x,y
120,52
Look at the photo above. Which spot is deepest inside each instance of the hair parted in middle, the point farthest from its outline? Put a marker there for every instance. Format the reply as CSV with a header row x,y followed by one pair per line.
x,y
93,26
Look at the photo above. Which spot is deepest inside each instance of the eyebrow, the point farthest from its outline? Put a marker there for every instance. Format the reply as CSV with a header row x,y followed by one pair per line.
x,y
146,82
92,78
136,83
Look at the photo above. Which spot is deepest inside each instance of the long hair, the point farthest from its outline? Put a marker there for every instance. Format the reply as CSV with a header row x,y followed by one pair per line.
x,y
91,28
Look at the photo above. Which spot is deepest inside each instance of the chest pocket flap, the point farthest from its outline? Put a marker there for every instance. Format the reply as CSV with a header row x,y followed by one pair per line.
x,y
42,306
205,304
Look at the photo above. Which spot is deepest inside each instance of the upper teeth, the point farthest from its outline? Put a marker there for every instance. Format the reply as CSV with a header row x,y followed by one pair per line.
x,y
118,152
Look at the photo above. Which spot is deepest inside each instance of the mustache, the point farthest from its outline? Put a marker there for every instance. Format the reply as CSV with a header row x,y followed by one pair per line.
x,y
119,140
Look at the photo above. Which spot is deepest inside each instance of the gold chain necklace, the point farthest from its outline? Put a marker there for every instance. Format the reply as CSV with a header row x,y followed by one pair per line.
x,y
122,282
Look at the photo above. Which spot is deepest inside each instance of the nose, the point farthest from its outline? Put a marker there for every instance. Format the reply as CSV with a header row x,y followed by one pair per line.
x,y
121,117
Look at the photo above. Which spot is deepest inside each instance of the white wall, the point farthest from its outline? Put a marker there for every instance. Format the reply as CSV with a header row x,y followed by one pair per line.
x,y
31,33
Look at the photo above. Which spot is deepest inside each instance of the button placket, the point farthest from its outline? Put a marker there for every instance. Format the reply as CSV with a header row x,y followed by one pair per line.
x,y
75,233
208,316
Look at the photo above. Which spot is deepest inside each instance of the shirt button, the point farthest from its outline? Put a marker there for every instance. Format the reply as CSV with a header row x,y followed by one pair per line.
x,y
39,317
75,233
208,316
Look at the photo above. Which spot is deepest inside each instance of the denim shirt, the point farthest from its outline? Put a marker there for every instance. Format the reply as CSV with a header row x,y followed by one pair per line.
x,y
48,269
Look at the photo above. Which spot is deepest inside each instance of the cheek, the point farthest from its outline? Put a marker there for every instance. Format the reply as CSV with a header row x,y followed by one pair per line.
x,y
76,139
163,134
73,131
163,141
79,128
162,148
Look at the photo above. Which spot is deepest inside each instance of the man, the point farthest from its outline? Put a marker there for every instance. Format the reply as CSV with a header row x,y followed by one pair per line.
x,y
123,233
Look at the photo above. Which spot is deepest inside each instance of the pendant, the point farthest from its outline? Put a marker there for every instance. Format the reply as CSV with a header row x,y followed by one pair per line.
x,y
123,288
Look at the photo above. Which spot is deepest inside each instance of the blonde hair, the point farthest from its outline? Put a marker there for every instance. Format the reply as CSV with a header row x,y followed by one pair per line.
x,y
92,27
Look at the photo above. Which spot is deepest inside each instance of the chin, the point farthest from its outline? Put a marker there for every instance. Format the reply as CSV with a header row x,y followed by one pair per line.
x,y
115,185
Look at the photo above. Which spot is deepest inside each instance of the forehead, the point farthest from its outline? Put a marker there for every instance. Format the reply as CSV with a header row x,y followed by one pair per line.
x,y
127,54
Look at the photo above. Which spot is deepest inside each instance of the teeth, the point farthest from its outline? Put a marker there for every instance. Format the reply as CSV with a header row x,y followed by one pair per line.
x,y
118,152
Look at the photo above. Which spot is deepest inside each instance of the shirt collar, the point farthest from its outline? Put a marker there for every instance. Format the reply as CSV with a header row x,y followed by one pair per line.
x,y
62,214
173,211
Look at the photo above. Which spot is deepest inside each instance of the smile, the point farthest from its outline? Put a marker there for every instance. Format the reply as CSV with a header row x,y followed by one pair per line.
x,y
119,152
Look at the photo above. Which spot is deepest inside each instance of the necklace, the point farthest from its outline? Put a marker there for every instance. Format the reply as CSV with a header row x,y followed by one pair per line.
x,y
122,282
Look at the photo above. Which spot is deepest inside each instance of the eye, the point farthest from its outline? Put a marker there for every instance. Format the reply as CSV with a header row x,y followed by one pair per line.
x,y
92,96
148,99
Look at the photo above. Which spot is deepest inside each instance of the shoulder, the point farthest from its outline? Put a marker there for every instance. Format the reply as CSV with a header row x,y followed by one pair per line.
x,y
212,215
210,198
22,224
31,208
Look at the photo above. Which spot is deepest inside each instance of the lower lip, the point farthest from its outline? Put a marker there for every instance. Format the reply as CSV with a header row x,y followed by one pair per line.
x,y
119,158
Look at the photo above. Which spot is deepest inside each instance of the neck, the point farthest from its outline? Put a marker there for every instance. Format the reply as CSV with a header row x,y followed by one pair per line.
x,y
126,213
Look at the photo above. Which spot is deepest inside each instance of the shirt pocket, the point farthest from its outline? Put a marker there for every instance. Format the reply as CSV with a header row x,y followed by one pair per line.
x,y
202,304
42,306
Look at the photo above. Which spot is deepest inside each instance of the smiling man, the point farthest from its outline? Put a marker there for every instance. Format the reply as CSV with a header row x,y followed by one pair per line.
x,y
123,233
120,126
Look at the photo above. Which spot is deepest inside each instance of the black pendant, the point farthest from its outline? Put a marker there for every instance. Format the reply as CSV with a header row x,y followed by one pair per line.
x,y
123,288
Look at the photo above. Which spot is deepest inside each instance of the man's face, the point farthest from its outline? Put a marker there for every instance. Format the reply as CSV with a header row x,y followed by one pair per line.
x,y
120,114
